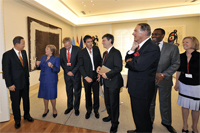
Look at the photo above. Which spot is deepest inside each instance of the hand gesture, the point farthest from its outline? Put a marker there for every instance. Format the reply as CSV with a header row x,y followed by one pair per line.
x,y
134,46
38,63
50,64
103,75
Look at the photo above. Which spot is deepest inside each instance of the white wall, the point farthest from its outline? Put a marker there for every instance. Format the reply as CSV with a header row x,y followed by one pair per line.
x,y
15,19
4,106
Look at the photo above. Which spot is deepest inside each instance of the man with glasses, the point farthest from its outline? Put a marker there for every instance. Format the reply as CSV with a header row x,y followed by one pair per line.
x,y
167,66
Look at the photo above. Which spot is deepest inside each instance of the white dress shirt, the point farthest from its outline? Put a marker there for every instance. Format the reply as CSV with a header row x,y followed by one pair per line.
x,y
160,45
91,58
17,52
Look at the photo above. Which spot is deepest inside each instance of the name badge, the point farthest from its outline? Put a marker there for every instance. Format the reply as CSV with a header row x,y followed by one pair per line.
x,y
187,75
68,64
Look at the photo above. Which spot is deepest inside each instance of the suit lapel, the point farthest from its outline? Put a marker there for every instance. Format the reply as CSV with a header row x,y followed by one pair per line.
x,y
16,57
163,48
24,58
72,53
87,54
144,46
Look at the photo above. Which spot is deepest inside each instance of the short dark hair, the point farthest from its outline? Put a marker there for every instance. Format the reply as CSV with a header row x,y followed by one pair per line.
x,y
86,37
162,30
109,36
145,26
17,39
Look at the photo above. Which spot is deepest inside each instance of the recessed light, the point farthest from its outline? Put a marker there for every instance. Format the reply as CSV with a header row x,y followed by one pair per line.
x,y
82,2
93,4
84,5
91,0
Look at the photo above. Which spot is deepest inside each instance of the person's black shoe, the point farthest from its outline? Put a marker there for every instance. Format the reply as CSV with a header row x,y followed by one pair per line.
x,y
77,112
87,115
55,115
113,129
131,131
96,115
44,115
30,119
185,131
169,128
106,119
68,110
17,125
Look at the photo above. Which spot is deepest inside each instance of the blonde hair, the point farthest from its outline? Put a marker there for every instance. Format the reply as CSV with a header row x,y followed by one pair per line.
x,y
52,48
195,42
67,39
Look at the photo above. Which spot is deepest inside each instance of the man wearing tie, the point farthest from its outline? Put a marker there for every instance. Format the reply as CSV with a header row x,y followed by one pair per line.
x,y
112,81
167,66
16,74
69,63
142,62
89,59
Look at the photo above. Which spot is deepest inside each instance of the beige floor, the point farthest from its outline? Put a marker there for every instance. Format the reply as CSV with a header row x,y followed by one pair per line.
x,y
125,119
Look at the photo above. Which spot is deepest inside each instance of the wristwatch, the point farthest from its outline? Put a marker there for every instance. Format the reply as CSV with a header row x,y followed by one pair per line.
x,y
162,75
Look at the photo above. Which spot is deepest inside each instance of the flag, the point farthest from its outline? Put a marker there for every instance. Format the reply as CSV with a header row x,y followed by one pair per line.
x,y
77,43
73,41
81,43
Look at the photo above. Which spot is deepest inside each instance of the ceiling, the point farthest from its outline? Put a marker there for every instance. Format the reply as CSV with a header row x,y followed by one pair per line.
x,y
101,7
87,12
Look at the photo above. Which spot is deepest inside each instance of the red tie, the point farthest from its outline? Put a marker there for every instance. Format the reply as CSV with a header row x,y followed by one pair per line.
x,y
105,57
68,56
138,48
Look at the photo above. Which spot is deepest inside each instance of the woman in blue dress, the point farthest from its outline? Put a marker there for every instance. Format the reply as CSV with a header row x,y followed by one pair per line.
x,y
50,67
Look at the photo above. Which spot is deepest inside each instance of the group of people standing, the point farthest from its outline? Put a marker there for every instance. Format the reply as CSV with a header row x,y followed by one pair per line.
x,y
150,62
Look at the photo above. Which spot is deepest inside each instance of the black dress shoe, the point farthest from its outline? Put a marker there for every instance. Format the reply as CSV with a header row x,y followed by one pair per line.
x,y
106,119
77,112
30,119
169,128
113,129
185,131
68,110
96,115
87,115
131,131
17,125
44,115
54,115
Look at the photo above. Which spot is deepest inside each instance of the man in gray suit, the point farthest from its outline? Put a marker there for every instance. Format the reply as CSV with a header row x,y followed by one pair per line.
x,y
168,64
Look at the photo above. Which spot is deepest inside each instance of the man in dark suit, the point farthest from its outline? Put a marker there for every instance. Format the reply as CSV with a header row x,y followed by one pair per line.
x,y
69,63
167,66
89,59
16,74
142,62
112,80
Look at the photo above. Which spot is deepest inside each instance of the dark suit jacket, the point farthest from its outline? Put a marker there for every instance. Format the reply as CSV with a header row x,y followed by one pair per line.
x,y
74,62
85,64
168,64
114,62
13,71
47,74
142,71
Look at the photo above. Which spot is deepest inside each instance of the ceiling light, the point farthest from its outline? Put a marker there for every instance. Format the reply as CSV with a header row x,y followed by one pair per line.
x,y
91,0
82,2
84,5
93,4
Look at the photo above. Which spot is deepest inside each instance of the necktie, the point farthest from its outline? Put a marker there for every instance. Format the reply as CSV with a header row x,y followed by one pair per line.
x,y
138,48
20,58
68,56
105,57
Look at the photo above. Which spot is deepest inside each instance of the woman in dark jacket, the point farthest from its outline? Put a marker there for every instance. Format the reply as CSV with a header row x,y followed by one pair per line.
x,y
188,83
50,67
